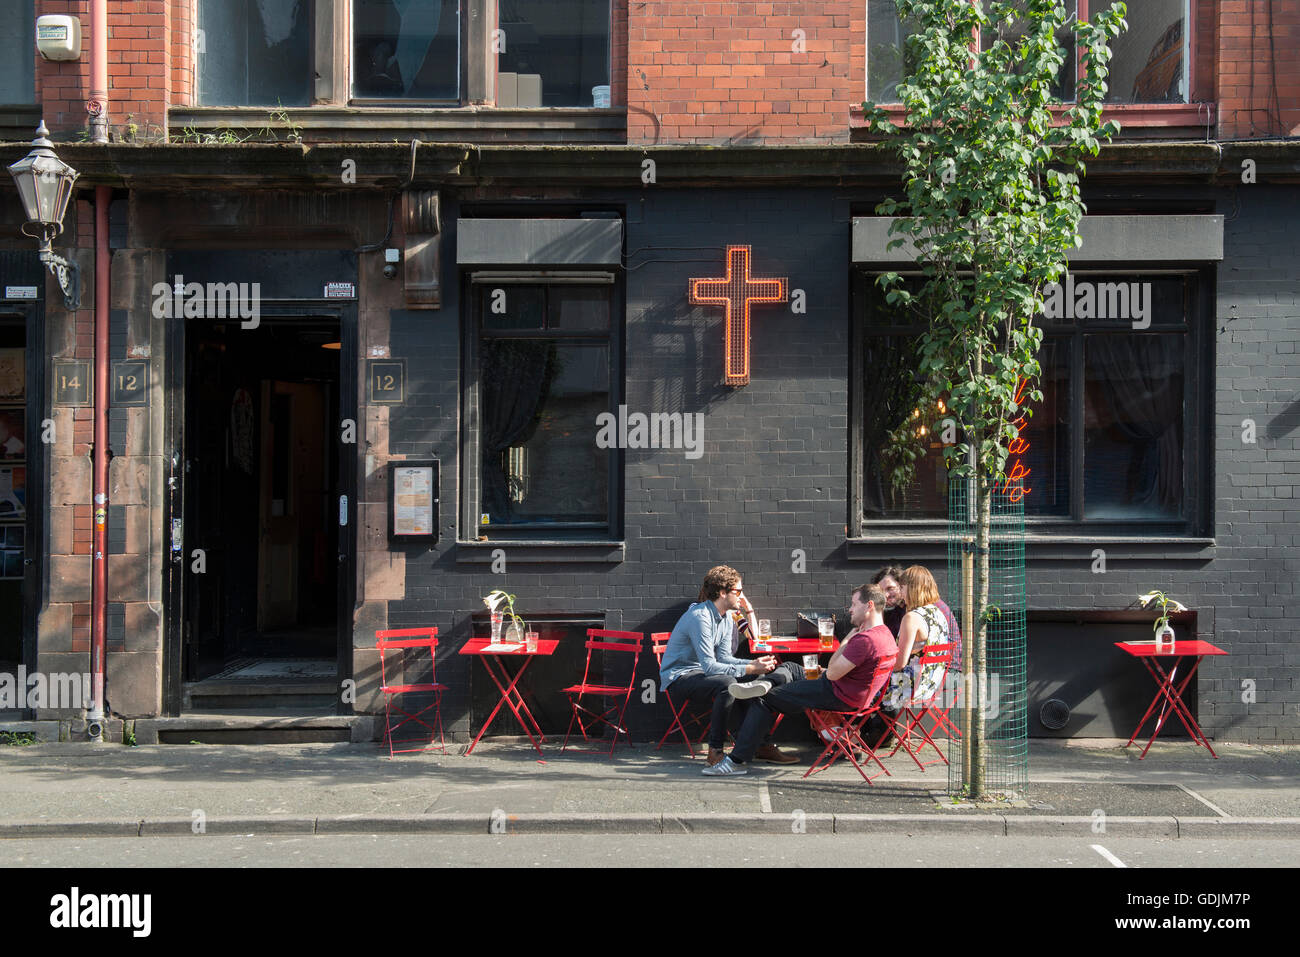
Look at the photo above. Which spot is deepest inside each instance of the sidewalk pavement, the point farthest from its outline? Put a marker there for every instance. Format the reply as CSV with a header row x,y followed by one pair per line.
x,y
1080,787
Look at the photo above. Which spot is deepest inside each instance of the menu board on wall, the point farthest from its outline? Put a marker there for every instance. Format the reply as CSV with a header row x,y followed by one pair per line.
x,y
413,501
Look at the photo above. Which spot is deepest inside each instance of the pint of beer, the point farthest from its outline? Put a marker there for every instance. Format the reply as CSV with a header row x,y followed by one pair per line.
x,y
826,631
811,669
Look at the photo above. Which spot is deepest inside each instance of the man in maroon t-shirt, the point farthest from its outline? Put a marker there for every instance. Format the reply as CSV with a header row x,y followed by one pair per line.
x,y
846,684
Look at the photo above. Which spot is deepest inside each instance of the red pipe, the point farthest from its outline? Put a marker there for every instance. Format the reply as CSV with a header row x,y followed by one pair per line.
x,y
99,536
98,109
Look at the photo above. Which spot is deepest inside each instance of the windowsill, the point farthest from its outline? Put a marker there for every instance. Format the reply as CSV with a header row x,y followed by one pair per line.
x,y
1165,118
324,124
933,543
542,551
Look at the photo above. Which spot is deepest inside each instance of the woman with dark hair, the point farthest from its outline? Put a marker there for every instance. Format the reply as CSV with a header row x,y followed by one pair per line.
x,y
887,578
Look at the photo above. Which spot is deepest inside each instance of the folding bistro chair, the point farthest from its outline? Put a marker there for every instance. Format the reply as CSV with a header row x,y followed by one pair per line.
x,y
408,642
610,713
909,719
683,722
842,730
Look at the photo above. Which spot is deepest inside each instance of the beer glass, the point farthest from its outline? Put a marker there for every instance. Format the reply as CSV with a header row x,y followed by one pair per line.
x,y
811,669
530,642
826,631
496,626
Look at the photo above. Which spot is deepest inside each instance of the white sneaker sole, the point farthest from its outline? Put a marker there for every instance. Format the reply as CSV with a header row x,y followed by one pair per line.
x,y
749,689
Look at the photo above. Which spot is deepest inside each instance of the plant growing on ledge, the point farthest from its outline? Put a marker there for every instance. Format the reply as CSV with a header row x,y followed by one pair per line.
x,y
495,599
992,206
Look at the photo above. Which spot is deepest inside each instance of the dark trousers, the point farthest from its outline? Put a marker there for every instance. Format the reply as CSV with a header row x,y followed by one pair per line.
x,y
711,691
791,698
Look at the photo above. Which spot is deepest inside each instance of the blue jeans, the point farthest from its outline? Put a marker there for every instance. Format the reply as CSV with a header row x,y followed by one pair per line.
x,y
791,698
711,691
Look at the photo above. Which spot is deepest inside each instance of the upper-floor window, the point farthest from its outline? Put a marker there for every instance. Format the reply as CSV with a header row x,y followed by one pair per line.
x,y
253,52
1148,65
18,56
553,53
406,49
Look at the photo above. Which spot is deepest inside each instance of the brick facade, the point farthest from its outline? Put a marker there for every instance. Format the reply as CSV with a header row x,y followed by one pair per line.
x,y
728,73
774,477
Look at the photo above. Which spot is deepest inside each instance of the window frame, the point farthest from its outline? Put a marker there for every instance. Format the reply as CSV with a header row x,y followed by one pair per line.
x,y
462,98
1145,114
473,282
1198,417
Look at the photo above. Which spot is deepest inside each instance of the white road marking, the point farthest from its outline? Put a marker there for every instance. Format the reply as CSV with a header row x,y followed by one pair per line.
x,y
1213,807
764,798
1108,855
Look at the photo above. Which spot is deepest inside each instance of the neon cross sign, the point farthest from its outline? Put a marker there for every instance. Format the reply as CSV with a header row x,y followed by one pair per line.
x,y
737,291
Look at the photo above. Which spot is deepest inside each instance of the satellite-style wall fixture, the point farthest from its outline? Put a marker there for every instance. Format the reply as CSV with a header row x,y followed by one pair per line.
x,y
58,37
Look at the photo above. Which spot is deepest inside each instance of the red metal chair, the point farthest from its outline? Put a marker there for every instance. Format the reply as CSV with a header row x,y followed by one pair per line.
x,y
611,714
842,730
908,721
682,720
408,642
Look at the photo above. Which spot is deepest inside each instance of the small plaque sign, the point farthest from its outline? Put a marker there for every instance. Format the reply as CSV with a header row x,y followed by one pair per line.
x,y
340,290
387,378
130,382
71,380
20,292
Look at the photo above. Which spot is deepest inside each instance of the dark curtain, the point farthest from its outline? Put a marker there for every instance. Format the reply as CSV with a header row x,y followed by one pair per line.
x,y
889,393
514,380
1143,385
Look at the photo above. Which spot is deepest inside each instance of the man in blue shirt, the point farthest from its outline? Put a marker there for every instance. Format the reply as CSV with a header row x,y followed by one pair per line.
x,y
699,663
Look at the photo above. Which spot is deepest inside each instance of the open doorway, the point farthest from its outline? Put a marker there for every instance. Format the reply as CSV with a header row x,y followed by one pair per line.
x,y
260,485
15,560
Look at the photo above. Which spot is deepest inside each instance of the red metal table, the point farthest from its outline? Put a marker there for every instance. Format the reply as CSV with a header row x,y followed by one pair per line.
x,y
494,662
1148,653
793,646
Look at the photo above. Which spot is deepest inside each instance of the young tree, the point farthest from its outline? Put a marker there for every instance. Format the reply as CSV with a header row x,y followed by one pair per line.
x,y
992,206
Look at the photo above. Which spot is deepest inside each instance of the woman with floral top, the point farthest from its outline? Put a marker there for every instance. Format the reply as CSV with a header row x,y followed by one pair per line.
x,y
924,625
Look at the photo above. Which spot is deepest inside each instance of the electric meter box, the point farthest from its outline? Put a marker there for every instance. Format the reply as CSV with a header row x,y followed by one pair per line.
x,y
58,37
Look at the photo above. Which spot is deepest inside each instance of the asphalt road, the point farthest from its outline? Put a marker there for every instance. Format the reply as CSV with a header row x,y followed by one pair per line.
x,y
642,851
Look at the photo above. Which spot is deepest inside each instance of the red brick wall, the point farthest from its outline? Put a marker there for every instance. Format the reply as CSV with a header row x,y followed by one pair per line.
x,y
182,65
138,56
1257,55
728,72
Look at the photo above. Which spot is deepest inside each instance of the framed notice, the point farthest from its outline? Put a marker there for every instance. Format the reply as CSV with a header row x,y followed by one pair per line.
x,y
413,501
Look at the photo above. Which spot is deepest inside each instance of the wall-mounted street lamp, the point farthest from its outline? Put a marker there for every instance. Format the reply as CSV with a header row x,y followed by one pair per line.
x,y
45,186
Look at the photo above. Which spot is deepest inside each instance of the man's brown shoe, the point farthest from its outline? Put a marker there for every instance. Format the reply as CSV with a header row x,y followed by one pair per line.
x,y
770,752
715,755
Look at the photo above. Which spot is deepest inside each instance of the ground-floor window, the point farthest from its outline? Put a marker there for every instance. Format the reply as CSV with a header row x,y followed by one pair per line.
x,y
543,371
1115,438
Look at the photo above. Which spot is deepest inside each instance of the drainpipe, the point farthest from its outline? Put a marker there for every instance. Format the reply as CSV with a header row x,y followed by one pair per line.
x,y
97,105
98,109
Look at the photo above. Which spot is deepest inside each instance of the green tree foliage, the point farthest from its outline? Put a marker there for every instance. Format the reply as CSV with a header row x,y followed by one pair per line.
x,y
992,208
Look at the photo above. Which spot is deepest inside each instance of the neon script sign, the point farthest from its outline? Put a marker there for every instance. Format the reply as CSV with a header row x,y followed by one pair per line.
x,y
737,291
1017,447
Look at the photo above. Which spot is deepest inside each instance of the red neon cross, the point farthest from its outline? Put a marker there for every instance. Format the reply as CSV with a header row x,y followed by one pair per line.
x,y
737,291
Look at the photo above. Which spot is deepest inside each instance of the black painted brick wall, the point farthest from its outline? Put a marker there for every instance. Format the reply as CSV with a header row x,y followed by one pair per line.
x,y
774,474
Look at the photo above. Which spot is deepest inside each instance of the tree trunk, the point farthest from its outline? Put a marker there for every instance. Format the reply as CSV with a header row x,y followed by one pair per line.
x,y
979,657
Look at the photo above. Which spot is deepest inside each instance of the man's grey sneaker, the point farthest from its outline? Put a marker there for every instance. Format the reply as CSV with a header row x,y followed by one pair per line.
x,y
726,766
749,689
